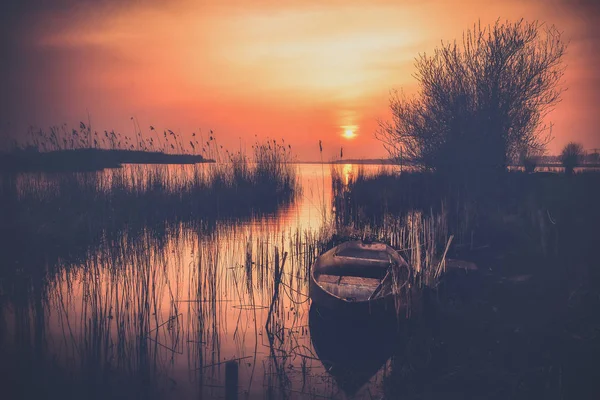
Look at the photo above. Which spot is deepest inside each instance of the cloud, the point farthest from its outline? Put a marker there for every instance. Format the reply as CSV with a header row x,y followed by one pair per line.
x,y
173,58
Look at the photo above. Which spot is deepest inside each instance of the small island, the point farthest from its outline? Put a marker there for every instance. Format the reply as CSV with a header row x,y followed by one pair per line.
x,y
87,159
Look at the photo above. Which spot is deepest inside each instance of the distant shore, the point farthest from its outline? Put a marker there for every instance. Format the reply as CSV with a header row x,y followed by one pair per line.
x,y
363,161
88,159
387,161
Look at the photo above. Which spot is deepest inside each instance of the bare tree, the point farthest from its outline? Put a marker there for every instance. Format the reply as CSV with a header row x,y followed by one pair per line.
x,y
571,156
529,159
482,103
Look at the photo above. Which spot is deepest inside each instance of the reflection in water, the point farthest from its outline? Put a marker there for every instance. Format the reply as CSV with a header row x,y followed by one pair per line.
x,y
352,350
348,173
158,313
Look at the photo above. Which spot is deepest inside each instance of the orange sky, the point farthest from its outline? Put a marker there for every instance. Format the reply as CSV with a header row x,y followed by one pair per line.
x,y
300,70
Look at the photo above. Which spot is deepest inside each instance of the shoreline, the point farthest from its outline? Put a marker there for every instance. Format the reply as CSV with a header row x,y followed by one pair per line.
x,y
88,159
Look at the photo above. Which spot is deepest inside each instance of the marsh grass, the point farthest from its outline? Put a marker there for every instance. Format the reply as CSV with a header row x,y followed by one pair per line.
x,y
421,237
62,216
123,321
158,310
517,227
96,251
64,138
61,149
514,209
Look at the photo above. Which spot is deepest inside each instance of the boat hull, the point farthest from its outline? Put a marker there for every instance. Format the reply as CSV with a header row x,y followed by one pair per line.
x,y
363,263
324,300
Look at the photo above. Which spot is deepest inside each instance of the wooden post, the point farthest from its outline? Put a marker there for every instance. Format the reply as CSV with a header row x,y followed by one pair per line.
x,y
231,380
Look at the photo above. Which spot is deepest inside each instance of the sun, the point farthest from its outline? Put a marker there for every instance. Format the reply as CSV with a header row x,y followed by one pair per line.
x,y
349,134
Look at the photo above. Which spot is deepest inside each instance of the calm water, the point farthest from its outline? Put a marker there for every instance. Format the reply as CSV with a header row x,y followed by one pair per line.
x,y
161,315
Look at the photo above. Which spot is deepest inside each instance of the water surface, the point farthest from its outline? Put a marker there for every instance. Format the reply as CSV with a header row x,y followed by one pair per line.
x,y
160,313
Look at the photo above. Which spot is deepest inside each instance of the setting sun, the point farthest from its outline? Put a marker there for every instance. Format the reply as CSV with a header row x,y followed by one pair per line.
x,y
349,134
304,69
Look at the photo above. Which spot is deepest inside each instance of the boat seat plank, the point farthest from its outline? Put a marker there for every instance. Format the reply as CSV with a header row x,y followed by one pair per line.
x,y
325,278
349,280
364,254
360,281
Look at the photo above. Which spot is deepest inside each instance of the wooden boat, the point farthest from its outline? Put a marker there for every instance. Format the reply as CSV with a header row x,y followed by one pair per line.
x,y
360,277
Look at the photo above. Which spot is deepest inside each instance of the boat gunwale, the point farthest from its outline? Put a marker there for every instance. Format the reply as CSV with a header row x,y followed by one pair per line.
x,y
394,255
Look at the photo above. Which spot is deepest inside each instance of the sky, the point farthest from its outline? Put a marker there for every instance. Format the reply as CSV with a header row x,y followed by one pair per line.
x,y
302,70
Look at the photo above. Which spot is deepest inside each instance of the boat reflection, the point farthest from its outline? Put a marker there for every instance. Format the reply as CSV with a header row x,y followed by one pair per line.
x,y
352,349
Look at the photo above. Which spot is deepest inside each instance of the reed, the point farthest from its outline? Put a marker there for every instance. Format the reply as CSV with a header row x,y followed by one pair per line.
x,y
420,236
160,303
62,138
67,214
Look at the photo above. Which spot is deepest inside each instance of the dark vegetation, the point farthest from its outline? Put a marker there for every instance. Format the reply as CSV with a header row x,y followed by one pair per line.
x,y
87,159
64,215
525,324
111,233
144,305
529,160
481,103
572,156
84,149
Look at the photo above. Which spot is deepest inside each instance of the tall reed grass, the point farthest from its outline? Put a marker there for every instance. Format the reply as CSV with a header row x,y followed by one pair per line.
x,y
68,213
420,236
134,313
62,137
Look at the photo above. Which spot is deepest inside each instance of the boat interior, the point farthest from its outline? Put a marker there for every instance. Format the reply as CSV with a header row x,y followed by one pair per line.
x,y
357,272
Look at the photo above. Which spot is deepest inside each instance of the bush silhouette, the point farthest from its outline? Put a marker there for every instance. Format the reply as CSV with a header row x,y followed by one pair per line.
x,y
480,103
571,156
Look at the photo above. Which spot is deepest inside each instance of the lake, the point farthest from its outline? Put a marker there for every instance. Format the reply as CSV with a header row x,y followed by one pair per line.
x,y
186,312
191,281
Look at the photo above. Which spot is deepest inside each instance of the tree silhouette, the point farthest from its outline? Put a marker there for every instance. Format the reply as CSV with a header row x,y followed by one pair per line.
x,y
529,159
571,156
482,103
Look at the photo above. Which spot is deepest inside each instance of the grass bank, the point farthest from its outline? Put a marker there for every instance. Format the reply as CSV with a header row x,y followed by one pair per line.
x,y
57,215
59,148
525,324
27,160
